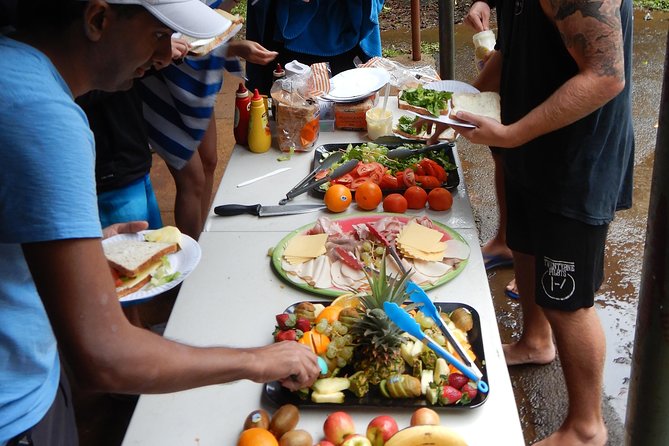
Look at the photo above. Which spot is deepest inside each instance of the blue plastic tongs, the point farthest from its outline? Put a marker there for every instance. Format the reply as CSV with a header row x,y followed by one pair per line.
x,y
408,324
428,308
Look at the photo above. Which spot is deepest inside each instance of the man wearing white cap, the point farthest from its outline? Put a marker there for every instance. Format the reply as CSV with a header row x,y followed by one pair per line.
x,y
55,283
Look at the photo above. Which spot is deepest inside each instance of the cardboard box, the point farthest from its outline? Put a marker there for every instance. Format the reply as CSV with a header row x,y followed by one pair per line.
x,y
351,116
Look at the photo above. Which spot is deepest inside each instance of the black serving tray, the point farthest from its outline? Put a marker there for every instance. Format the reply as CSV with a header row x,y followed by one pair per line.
x,y
278,395
322,151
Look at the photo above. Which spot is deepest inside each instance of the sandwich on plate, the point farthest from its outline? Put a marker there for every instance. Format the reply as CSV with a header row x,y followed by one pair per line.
x,y
424,101
134,263
483,104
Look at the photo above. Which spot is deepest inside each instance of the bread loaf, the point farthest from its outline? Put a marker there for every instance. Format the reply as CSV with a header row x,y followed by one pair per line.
x,y
483,104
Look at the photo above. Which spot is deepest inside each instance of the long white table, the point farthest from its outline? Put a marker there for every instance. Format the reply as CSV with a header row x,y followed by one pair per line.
x,y
234,284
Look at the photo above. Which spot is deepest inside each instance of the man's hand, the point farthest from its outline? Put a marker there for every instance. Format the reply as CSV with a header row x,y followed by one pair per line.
x,y
124,228
478,17
293,364
251,51
487,131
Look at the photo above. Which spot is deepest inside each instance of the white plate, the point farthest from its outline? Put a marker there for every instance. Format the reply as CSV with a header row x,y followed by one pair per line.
x,y
184,261
357,83
452,86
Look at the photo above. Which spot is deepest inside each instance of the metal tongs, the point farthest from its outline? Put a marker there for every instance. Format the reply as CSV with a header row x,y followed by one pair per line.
x,y
409,324
417,295
306,184
406,152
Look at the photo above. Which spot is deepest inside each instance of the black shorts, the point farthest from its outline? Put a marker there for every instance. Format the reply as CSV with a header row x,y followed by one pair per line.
x,y
569,254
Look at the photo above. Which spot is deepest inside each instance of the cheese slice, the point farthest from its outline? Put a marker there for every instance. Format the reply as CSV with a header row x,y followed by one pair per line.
x,y
411,252
141,276
310,246
420,237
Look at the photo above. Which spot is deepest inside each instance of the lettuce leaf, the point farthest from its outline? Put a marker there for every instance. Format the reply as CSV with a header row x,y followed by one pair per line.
x,y
432,100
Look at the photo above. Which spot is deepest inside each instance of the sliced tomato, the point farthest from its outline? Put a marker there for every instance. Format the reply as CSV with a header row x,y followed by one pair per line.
x,y
400,178
418,169
368,169
428,181
388,182
376,177
427,166
346,180
117,278
409,177
321,173
357,182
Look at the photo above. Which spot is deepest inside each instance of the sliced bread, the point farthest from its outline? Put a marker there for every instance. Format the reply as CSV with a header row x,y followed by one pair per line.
x,y
483,104
129,257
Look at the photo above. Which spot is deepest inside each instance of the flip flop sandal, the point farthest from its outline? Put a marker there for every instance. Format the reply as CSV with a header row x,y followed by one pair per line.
x,y
496,261
511,294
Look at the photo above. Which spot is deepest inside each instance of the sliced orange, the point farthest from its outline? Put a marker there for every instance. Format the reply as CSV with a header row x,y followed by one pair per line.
x,y
330,313
348,300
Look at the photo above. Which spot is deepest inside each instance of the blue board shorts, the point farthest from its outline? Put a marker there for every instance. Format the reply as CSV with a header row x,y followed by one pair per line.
x,y
134,202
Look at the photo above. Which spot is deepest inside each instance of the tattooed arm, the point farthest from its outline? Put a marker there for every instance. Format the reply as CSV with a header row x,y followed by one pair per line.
x,y
592,33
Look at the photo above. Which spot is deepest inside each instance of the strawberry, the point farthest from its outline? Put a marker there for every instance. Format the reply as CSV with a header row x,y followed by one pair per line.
x,y
469,391
457,380
285,321
303,324
450,395
285,335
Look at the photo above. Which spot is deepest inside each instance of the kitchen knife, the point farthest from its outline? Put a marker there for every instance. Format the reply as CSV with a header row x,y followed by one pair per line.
x,y
407,323
259,210
339,171
325,164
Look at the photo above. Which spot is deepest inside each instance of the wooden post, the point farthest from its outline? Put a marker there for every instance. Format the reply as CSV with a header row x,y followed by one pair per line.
x,y
415,30
648,402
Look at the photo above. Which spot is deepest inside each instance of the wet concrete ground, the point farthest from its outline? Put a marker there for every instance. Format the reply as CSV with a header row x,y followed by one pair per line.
x,y
540,391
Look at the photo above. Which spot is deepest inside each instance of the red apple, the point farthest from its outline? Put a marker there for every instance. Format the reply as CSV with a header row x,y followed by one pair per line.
x,y
380,429
324,443
356,440
337,426
425,416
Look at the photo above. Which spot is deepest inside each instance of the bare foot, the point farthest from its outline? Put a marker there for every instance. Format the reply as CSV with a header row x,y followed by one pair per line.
x,y
519,353
594,436
511,286
495,247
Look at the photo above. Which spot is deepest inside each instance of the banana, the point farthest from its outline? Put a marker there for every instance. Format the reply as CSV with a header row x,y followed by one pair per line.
x,y
426,436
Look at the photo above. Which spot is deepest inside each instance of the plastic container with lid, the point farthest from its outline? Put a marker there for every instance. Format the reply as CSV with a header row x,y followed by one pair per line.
x,y
242,113
260,137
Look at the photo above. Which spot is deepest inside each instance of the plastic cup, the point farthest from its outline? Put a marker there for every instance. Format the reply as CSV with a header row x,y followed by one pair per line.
x,y
484,43
379,123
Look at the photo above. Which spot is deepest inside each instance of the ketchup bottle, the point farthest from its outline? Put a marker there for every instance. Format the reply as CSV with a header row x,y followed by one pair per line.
x,y
260,137
242,113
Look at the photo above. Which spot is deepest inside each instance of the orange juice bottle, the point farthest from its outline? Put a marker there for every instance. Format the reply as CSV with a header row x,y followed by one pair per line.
x,y
260,137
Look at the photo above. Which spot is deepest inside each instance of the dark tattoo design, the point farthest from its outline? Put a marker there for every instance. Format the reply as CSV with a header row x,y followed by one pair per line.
x,y
587,8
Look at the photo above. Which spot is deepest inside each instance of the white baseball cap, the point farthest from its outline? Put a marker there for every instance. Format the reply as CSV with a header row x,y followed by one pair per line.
x,y
190,17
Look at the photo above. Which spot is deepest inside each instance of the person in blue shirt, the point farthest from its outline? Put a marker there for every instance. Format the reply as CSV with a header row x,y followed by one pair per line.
x,y
311,31
57,294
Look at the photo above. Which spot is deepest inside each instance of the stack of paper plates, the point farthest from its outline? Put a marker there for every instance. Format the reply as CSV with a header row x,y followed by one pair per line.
x,y
356,84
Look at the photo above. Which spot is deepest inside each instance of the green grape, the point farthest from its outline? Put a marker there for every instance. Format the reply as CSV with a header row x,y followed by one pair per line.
x,y
346,353
331,351
379,250
339,342
341,362
366,257
367,246
322,326
341,330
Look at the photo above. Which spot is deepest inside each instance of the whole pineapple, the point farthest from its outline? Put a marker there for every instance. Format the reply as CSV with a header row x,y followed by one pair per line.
x,y
377,338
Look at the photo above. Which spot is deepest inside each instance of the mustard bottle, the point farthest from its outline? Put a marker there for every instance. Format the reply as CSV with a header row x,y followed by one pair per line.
x,y
260,138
